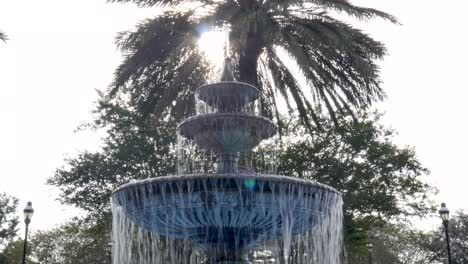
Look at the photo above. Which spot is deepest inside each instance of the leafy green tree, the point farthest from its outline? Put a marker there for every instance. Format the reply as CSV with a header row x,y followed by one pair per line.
x,y
458,233
396,244
8,219
163,65
133,149
13,253
379,181
402,244
75,242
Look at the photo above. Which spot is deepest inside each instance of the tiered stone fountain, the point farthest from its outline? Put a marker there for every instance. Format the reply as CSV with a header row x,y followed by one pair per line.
x,y
226,216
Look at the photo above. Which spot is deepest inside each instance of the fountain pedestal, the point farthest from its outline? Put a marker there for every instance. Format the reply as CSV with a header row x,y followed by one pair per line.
x,y
227,163
219,255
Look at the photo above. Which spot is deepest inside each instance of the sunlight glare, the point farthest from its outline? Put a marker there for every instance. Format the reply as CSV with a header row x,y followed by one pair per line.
x,y
211,43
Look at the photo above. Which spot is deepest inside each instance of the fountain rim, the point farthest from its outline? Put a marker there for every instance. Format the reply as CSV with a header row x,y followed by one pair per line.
x,y
265,177
222,114
227,82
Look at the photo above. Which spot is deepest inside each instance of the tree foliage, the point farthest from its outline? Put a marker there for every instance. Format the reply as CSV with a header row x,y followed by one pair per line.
x,y
400,244
458,233
162,64
133,149
8,219
404,244
378,179
13,253
75,242
380,182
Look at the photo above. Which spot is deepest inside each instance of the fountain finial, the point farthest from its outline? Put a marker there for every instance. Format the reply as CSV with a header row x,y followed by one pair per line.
x,y
228,74
227,46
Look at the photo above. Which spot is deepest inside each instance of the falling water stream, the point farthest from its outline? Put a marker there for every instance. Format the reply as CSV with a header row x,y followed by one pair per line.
x,y
225,205
293,221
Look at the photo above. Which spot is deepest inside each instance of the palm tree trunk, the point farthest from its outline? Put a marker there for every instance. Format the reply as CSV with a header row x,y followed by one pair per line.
x,y
248,59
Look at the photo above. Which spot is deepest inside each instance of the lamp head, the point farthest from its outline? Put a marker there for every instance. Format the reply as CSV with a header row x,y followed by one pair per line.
x,y
28,212
444,212
369,245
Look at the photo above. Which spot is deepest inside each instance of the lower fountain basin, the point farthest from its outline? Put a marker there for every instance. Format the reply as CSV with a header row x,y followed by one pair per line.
x,y
223,212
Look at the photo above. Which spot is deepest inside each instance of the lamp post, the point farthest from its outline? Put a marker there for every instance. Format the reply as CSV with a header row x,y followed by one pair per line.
x,y
109,246
28,213
370,247
444,214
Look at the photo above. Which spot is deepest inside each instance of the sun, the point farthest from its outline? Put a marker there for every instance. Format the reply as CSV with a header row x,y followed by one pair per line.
x,y
212,44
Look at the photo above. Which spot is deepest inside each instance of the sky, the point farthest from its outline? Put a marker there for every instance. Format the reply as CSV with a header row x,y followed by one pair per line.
x,y
61,51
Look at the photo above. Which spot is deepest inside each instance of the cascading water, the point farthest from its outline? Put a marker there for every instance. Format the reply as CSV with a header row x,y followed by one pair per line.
x,y
225,212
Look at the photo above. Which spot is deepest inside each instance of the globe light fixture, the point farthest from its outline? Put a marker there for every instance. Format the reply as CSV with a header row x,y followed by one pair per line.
x,y
444,212
28,213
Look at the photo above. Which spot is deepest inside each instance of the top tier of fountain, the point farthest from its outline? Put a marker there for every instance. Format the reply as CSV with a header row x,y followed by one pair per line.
x,y
227,124
226,96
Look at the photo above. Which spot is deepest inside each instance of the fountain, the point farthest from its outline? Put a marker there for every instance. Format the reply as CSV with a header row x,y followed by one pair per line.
x,y
231,215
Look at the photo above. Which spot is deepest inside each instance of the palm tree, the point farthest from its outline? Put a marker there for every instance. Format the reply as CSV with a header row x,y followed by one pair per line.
x,y
162,64
3,36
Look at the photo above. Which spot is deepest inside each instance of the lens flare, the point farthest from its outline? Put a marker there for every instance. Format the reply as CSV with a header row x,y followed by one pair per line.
x,y
250,184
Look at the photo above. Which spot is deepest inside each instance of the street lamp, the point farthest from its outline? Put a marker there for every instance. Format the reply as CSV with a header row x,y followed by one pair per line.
x,y
444,214
109,246
370,247
28,213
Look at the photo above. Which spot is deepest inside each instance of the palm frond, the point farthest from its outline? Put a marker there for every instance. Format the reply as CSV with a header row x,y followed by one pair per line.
x,y
173,3
359,12
227,11
285,82
3,36
267,85
161,61
336,61
334,55
342,6
162,65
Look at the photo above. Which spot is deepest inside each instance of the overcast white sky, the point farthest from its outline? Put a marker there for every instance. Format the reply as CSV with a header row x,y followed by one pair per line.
x,y
60,51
